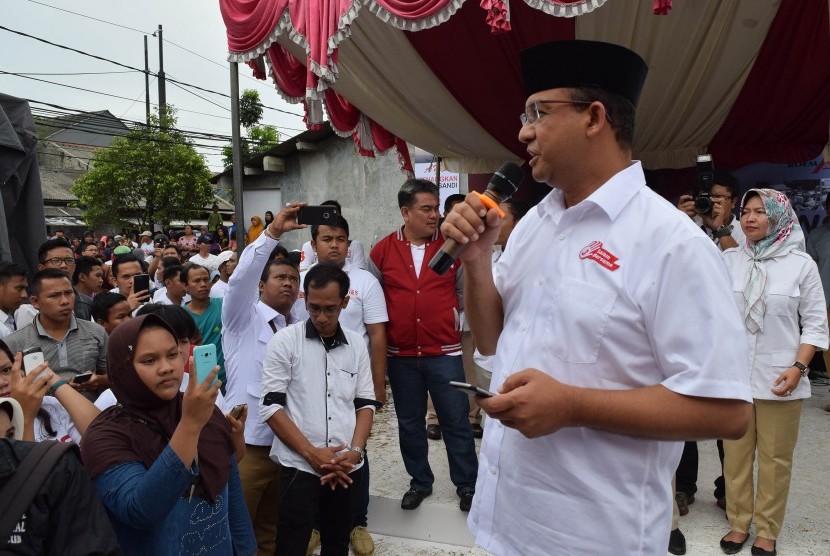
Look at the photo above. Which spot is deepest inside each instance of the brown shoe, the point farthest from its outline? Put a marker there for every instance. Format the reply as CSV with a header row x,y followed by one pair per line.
x,y
722,503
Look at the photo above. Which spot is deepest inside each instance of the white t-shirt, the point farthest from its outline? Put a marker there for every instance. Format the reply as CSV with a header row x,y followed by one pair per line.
x,y
219,289
148,248
211,262
605,294
161,297
61,422
356,255
367,305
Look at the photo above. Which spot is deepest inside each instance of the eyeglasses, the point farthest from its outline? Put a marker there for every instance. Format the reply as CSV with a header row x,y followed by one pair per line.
x,y
60,261
330,310
532,114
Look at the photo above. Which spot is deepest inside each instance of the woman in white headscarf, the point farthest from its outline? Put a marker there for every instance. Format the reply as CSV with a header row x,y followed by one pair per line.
x,y
778,292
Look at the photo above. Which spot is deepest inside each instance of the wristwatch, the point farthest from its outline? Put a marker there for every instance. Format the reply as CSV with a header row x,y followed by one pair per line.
x,y
360,451
722,231
801,367
53,389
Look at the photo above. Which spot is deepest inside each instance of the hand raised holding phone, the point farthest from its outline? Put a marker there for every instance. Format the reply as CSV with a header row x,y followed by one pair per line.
x,y
200,397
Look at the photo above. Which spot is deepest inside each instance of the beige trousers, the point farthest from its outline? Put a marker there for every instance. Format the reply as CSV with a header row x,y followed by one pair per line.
x,y
260,477
773,431
470,375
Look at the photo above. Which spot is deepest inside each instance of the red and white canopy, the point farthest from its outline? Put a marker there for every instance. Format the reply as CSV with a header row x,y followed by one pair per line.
x,y
748,80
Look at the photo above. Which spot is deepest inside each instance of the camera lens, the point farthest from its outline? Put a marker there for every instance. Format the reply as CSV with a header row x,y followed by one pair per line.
x,y
703,205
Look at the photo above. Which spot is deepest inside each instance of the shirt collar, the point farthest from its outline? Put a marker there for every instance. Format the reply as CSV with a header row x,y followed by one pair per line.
x,y
402,237
339,336
73,325
611,196
4,317
269,313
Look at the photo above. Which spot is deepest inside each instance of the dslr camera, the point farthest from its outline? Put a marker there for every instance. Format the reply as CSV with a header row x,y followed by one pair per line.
x,y
705,181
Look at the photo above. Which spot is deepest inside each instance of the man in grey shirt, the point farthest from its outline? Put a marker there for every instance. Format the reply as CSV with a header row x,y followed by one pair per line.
x,y
70,345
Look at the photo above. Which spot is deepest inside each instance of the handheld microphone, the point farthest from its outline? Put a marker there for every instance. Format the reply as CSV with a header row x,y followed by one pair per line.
x,y
502,186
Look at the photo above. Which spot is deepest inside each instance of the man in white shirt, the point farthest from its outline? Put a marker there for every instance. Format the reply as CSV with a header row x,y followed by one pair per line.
x,y
227,264
204,257
147,243
13,284
720,223
317,397
725,230
365,313
174,291
355,254
260,296
603,364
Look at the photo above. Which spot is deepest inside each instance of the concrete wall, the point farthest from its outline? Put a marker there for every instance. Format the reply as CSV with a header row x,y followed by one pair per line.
x,y
366,187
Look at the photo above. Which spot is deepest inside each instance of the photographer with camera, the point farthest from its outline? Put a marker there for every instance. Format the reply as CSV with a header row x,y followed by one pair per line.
x,y
712,206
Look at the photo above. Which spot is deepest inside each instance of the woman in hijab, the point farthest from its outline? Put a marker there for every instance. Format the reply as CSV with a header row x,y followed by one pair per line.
x,y
255,229
162,461
778,292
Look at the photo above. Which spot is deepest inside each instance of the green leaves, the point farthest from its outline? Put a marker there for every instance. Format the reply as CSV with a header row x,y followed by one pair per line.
x,y
151,175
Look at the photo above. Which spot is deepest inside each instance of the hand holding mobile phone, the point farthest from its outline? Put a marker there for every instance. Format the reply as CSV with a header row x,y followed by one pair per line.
x,y
82,378
471,389
32,357
236,412
141,283
204,358
317,214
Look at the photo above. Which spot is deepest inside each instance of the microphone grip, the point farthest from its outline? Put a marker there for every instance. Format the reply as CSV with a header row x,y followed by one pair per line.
x,y
451,250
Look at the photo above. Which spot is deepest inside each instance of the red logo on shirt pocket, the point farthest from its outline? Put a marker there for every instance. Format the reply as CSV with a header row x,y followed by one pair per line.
x,y
596,252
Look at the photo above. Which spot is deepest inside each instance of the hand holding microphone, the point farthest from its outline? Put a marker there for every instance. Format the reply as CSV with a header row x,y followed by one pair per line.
x,y
466,223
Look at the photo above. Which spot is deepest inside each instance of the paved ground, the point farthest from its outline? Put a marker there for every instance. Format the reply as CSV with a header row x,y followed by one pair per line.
x,y
806,529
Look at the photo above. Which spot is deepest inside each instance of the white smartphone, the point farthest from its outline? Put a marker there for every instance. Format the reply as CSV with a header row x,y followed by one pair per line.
x,y
467,387
32,357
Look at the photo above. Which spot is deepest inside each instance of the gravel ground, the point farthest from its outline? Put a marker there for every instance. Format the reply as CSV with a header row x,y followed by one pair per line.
x,y
806,528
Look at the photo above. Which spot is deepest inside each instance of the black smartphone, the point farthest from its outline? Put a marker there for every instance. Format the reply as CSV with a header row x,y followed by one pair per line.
x,y
467,387
317,214
237,410
141,282
80,379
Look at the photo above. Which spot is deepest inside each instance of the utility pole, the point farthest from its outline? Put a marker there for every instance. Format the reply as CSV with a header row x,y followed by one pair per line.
x,y
237,159
162,84
146,80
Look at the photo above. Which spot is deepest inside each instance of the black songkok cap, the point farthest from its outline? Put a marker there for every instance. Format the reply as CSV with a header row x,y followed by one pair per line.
x,y
573,64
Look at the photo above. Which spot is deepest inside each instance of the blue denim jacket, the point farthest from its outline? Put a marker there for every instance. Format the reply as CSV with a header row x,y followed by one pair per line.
x,y
151,513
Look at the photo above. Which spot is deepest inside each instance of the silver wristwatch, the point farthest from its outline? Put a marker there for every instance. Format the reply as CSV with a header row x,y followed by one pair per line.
x,y
360,451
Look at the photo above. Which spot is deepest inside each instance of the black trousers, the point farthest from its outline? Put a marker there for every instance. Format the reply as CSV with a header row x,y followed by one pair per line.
x,y
303,501
687,471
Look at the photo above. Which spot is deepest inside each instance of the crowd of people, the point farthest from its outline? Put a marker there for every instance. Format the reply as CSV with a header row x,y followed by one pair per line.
x,y
577,325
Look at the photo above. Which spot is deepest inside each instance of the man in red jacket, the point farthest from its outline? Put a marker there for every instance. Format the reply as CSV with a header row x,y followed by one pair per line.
x,y
424,344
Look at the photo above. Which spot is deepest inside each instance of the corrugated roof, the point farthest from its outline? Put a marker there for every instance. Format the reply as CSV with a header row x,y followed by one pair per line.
x,y
62,212
55,186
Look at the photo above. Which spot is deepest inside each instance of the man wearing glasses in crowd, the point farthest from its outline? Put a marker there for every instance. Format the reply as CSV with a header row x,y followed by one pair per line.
x,y
720,224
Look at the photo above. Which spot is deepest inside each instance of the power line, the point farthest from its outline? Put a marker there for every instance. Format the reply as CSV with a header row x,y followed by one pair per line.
x,y
64,47
89,17
95,56
75,73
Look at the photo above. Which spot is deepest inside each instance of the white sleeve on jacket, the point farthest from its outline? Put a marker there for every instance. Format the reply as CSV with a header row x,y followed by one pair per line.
x,y
358,254
812,308
240,302
276,370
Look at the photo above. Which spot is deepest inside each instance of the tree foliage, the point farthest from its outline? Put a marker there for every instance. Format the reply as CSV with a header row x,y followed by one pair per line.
x,y
258,138
153,174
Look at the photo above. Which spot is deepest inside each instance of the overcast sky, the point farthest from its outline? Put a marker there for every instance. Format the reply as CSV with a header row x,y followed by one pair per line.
x,y
193,24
